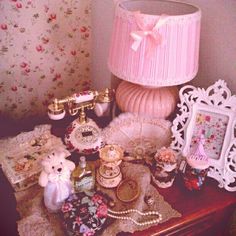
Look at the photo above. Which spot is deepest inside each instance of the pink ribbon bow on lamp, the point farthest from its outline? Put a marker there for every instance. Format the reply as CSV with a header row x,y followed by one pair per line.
x,y
146,30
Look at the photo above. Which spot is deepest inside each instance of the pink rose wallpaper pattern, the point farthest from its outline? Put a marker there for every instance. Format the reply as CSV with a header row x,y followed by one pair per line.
x,y
44,53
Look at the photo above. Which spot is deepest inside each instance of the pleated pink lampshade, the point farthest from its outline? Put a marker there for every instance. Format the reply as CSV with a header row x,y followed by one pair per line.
x,y
155,43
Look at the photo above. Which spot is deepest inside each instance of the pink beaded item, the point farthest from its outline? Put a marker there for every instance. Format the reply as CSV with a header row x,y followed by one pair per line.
x,y
155,43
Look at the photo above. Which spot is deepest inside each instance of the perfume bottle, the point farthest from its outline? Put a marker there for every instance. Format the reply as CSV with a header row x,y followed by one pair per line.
x,y
83,177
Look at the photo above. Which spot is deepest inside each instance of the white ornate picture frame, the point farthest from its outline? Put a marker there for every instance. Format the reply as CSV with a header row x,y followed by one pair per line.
x,y
211,112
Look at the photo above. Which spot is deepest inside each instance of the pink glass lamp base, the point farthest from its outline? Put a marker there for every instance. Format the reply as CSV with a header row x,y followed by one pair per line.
x,y
146,101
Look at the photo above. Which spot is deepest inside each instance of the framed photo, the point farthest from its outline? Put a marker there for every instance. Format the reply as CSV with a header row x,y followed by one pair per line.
x,y
211,113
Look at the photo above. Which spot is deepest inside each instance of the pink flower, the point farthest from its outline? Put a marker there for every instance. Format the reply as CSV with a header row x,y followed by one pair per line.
x,y
14,88
52,17
208,118
91,232
101,211
73,52
66,207
39,48
3,26
166,155
83,29
97,198
46,8
56,77
69,129
51,70
27,70
83,210
70,146
191,183
23,64
45,40
78,220
18,5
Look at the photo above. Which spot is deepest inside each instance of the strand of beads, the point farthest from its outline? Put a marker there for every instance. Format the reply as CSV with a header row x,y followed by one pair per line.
x,y
117,215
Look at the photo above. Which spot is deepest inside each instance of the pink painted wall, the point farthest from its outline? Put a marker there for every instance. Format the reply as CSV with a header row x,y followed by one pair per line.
x,y
218,43
217,47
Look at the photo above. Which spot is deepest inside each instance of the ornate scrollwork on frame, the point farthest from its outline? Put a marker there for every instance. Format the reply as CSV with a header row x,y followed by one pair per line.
x,y
211,112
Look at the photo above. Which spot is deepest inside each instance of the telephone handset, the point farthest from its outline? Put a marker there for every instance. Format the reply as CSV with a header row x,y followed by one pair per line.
x,y
83,135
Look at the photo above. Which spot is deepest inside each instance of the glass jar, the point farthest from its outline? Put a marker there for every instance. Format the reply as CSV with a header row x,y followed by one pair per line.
x,y
194,178
164,167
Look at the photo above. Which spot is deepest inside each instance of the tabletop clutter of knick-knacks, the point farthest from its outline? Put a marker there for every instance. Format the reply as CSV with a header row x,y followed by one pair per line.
x,y
88,194
134,154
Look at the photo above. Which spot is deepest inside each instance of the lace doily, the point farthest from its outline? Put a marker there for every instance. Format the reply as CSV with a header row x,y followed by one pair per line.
x,y
35,220
138,136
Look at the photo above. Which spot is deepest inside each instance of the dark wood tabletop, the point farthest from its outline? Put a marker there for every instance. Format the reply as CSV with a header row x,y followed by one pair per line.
x,y
206,212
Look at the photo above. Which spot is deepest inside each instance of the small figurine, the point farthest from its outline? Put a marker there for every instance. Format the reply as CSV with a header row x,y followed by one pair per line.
x,y
55,177
164,168
197,167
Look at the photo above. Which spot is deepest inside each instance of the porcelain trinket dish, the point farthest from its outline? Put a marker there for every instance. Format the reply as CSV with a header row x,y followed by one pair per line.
x,y
109,174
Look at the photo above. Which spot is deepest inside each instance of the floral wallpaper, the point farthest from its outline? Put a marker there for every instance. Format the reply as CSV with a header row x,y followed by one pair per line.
x,y
44,53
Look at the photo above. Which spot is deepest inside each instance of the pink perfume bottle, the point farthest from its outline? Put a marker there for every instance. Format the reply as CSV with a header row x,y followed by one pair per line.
x,y
197,167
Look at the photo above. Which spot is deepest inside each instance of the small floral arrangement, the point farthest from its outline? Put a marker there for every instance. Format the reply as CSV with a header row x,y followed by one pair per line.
x,y
166,155
164,167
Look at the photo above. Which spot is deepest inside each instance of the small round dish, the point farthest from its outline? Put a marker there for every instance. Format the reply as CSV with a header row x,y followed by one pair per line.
x,y
128,190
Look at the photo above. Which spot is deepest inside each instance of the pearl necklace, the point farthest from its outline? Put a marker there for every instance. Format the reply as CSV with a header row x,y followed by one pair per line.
x,y
115,215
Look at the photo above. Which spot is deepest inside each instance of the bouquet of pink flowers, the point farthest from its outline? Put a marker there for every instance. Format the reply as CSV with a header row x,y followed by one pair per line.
x,y
166,155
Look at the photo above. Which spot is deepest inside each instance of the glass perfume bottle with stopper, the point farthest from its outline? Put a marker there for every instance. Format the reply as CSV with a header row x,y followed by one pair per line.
x,y
83,177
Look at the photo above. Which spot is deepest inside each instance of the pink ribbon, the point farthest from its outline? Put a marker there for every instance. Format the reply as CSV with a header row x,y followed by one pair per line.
x,y
149,31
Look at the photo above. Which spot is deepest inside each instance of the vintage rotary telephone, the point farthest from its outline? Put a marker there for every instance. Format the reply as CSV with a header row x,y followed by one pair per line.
x,y
82,135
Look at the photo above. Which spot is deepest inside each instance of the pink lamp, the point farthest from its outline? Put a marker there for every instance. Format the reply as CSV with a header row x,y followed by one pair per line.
x,y
154,47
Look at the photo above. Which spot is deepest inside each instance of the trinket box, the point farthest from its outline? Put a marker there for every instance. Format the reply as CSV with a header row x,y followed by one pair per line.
x,y
128,190
109,173
20,156
83,214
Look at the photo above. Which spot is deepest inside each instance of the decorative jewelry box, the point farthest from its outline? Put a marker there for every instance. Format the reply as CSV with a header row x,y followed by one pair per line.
x,y
20,156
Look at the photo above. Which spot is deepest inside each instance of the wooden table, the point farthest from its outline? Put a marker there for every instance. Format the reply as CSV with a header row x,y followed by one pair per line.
x,y
206,212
